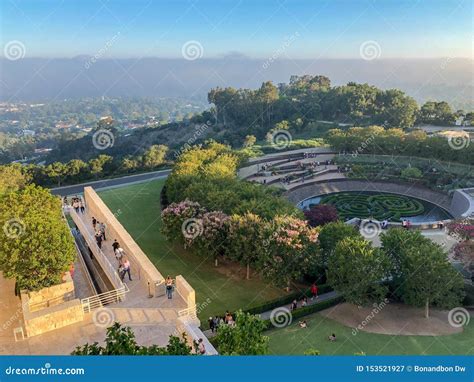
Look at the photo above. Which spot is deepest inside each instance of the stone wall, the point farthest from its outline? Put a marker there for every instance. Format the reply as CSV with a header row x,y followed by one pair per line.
x,y
316,188
52,318
97,208
51,308
51,296
187,293
193,333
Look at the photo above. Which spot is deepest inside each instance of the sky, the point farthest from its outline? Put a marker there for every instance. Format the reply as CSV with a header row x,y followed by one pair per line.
x,y
254,28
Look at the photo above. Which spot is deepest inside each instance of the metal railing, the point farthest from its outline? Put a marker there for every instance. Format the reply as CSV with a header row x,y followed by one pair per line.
x,y
99,300
102,259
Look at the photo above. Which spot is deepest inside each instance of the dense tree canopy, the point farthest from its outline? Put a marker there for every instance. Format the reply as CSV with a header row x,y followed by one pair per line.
x,y
36,247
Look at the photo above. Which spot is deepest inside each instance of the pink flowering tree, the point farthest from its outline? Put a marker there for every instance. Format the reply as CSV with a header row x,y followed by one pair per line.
x,y
291,249
213,240
183,221
246,239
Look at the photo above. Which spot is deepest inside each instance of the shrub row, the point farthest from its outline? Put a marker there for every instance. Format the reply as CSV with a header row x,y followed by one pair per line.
x,y
285,300
310,309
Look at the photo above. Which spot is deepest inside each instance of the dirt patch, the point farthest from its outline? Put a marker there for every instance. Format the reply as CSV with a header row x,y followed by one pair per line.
x,y
395,319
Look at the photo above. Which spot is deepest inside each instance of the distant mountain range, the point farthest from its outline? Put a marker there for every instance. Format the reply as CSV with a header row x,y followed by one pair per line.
x,y
34,79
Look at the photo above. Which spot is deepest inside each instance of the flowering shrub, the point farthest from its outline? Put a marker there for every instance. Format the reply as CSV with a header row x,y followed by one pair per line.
x,y
291,251
463,229
213,239
175,217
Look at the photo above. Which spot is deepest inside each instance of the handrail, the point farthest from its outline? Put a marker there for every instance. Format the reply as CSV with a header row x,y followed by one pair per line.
x,y
99,300
102,258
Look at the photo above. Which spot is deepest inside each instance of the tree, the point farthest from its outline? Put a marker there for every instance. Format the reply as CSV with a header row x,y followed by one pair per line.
x,y
12,178
97,165
291,250
244,338
36,247
332,233
428,277
154,156
321,214
56,171
356,270
250,140
246,239
121,341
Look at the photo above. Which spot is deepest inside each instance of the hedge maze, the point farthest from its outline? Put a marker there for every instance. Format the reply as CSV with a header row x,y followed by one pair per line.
x,y
380,207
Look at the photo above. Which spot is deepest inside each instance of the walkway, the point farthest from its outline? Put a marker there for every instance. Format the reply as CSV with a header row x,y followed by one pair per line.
x,y
266,315
138,294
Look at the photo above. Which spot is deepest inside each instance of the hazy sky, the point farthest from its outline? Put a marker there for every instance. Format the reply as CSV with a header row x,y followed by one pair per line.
x,y
255,28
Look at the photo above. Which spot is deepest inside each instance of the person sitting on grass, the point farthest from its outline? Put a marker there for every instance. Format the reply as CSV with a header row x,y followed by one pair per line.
x,y
332,337
303,324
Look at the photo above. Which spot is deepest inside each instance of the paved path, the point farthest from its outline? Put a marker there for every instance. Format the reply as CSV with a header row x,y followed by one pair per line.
x,y
266,315
110,183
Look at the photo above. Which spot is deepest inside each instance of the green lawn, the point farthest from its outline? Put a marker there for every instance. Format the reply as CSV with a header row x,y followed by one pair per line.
x,y
294,340
217,289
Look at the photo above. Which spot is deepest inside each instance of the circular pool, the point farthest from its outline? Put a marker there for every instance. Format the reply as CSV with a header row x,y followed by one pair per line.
x,y
379,206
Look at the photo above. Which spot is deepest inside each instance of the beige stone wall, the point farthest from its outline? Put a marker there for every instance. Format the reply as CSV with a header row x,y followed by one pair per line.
x,y
53,295
97,208
193,333
50,318
187,292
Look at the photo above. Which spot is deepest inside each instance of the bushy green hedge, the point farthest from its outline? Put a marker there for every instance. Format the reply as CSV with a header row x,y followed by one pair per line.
x,y
324,288
310,309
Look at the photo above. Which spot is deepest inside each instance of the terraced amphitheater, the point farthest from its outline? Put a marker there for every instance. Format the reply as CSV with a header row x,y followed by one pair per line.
x,y
380,207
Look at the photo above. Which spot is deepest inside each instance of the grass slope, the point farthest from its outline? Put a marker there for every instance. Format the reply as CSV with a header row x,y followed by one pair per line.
x,y
294,340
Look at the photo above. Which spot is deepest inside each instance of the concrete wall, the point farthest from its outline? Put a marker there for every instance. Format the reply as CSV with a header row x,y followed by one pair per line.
x,y
53,295
193,333
187,293
462,204
115,230
51,308
309,190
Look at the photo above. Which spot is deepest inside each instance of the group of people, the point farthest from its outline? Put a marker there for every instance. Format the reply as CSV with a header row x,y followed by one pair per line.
x,y
123,262
77,203
406,223
100,231
216,322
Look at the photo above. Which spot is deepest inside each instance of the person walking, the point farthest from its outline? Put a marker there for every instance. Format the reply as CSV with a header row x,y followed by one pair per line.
x,y
98,239
212,325
115,245
314,291
103,227
125,269
94,222
169,287
119,252
82,206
